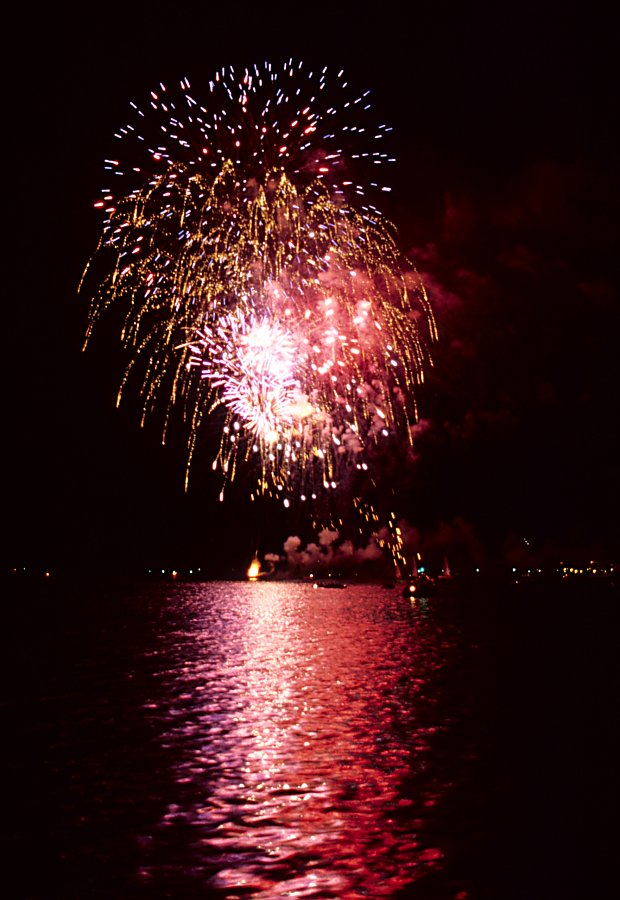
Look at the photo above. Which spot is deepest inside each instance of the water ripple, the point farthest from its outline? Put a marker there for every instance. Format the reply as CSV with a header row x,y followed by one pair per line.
x,y
293,716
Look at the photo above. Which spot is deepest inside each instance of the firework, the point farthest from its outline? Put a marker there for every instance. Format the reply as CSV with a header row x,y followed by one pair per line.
x,y
260,289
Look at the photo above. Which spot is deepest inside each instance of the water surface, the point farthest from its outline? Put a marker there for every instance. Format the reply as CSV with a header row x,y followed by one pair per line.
x,y
267,740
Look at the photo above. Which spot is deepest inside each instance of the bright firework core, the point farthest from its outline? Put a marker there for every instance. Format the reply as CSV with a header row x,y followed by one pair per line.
x,y
255,282
253,364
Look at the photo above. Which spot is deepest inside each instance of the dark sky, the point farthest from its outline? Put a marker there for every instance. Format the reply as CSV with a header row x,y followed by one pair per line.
x,y
507,197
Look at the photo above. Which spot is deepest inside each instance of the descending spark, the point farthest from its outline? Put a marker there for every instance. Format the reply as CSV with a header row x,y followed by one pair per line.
x,y
256,280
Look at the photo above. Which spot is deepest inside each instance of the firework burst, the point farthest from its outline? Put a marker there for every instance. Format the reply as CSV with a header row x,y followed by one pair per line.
x,y
256,279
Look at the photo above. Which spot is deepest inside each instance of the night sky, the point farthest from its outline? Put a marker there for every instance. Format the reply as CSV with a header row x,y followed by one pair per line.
x,y
506,195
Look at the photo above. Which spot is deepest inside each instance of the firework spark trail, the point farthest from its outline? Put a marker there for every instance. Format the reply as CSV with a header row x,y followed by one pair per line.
x,y
256,279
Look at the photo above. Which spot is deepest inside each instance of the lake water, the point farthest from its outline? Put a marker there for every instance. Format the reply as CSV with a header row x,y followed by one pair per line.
x,y
271,740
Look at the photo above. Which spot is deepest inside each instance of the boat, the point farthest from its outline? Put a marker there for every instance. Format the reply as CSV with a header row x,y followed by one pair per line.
x,y
446,573
256,572
420,585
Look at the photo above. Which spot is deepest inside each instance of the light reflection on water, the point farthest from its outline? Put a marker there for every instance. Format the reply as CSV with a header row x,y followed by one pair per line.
x,y
228,740
293,717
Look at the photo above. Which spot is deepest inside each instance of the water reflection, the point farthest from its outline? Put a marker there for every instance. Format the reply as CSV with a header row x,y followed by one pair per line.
x,y
298,722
